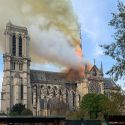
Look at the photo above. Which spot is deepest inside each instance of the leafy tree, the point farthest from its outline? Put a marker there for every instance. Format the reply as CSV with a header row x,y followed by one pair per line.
x,y
27,112
99,106
118,102
19,109
116,49
12,113
95,104
76,115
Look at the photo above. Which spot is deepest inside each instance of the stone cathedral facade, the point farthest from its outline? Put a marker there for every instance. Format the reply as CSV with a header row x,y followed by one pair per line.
x,y
45,93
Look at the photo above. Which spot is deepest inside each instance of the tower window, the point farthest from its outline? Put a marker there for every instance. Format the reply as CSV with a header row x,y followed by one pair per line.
x,y
14,45
20,46
1,95
20,67
21,91
13,65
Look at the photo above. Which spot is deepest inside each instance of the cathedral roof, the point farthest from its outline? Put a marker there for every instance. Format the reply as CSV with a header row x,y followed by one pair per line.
x,y
38,76
109,84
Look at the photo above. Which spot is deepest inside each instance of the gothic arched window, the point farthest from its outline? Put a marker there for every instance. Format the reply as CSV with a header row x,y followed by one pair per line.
x,y
66,96
14,45
73,96
13,65
60,92
20,46
21,89
54,93
47,92
20,66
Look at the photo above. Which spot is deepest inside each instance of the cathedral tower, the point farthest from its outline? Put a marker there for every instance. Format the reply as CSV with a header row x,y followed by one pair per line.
x,y
16,86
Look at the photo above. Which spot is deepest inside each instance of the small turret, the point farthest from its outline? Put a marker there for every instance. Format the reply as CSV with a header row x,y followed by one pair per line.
x,y
101,69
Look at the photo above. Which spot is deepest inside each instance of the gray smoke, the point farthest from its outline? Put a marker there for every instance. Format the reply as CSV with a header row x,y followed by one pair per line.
x,y
52,27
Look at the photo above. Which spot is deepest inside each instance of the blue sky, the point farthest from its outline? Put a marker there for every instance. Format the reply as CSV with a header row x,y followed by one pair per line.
x,y
93,16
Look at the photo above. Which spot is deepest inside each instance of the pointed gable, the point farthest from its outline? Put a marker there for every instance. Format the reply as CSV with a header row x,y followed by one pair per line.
x,y
94,71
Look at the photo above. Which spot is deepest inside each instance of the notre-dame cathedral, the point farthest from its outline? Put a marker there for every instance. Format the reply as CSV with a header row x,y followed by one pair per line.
x,y
45,93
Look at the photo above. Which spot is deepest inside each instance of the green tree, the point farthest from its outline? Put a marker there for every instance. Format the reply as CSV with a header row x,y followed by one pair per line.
x,y
94,104
27,112
116,49
99,106
19,109
76,115
118,103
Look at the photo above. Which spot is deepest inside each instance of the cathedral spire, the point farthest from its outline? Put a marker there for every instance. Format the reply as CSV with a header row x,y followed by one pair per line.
x,y
80,35
101,69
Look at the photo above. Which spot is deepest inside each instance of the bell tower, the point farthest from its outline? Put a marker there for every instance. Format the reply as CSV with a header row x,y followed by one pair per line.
x,y
16,86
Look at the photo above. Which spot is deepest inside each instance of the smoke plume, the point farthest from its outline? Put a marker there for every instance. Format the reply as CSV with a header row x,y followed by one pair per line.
x,y
52,27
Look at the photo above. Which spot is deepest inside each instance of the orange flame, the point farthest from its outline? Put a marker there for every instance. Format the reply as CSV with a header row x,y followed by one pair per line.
x,y
77,74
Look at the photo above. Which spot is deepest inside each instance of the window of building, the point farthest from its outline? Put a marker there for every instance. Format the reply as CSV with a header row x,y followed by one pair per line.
x,y
60,92
20,46
66,96
21,91
1,95
47,92
54,93
32,97
35,89
73,94
13,65
14,45
20,67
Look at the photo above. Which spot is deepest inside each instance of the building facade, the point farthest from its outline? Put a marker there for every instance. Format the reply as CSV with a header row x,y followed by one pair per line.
x,y
45,93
